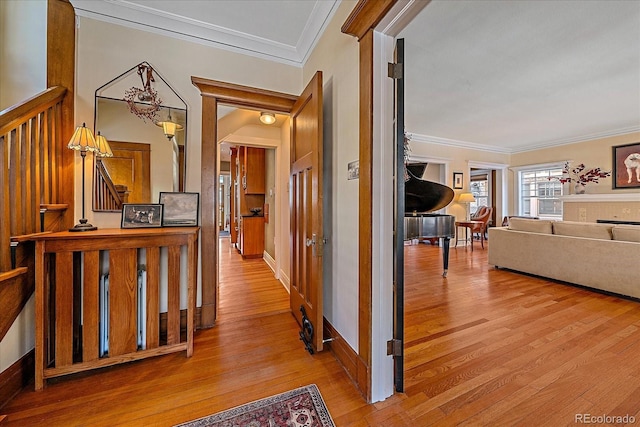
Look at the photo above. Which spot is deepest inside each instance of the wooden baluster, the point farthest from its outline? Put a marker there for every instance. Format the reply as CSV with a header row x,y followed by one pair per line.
x,y
91,306
173,299
153,297
123,292
64,309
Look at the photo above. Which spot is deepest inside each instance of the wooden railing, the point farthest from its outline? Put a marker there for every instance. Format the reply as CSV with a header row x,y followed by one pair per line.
x,y
106,195
31,153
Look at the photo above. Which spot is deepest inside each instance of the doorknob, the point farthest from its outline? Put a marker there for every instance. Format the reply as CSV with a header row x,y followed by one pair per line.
x,y
312,242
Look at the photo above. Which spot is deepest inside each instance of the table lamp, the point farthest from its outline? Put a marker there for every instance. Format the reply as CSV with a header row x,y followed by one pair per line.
x,y
83,141
466,198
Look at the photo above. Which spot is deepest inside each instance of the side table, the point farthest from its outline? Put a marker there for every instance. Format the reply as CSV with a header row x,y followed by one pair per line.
x,y
469,225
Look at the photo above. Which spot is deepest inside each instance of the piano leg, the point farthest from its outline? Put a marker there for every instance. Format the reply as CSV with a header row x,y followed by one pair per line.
x,y
445,255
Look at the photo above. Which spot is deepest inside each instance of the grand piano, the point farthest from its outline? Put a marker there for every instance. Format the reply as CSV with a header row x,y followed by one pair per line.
x,y
422,197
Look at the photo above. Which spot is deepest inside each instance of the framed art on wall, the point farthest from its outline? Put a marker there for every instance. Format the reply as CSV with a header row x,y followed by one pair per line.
x,y
180,209
626,166
141,215
457,180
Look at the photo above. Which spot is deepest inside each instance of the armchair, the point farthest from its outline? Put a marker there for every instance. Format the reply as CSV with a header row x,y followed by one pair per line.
x,y
482,214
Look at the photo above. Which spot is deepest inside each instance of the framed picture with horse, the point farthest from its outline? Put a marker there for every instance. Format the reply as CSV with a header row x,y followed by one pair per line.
x,y
626,166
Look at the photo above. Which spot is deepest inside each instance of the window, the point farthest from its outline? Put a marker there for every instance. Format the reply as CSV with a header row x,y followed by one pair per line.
x,y
480,189
538,195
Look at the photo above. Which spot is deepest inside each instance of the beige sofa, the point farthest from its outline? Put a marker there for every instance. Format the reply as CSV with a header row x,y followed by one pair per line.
x,y
601,256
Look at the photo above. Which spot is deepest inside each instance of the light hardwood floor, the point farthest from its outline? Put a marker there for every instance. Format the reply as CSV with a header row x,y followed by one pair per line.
x,y
483,347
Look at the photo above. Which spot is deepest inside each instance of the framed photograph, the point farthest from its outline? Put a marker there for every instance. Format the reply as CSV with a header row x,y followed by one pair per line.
x,y
179,209
626,166
457,180
353,170
141,215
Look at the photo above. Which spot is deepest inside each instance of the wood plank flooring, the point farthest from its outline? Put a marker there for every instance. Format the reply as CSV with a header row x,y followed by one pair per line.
x,y
483,347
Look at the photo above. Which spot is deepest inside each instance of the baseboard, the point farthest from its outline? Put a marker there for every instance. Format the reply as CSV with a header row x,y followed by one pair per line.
x,y
284,279
270,262
352,363
16,377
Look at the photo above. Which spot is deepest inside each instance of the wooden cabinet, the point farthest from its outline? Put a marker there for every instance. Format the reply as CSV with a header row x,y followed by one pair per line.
x,y
249,183
252,237
253,179
69,269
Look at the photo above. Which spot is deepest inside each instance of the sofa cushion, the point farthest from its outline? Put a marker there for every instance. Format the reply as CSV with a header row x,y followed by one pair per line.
x,y
583,229
628,233
531,225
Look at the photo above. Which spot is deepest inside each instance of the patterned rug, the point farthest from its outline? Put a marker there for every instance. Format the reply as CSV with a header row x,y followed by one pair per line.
x,y
302,407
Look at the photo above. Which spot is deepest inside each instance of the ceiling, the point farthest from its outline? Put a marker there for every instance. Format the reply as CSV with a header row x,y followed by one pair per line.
x,y
504,76
518,75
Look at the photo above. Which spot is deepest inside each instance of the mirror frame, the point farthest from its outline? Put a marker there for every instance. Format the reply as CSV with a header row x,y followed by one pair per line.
x,y
182,170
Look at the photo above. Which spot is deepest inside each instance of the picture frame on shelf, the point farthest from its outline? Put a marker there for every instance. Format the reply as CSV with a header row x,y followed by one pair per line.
x,y
626,166
179,209
141,215
457,180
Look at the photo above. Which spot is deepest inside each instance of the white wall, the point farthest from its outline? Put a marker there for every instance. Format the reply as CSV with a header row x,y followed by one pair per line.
x,y
23,50
23,74
593,153
460,159
336,55
101,57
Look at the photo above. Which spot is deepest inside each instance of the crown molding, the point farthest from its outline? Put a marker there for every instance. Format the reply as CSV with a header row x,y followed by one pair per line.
x,y
577,139
538,146
144,18
455,143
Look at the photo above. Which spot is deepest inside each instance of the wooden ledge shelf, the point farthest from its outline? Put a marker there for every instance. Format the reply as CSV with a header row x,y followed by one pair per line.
x,y
8,275
28,237
54,207
71,312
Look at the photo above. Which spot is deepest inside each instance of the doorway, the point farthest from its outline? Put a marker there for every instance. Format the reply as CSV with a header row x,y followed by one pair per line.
x,y
250,210
213,95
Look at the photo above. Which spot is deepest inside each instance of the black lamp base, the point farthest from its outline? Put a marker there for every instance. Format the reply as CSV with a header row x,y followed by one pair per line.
x,y
83,226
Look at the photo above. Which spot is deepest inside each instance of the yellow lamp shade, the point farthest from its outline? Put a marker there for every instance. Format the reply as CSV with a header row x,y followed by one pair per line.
x,y
83,140
169,128
104,149
466,198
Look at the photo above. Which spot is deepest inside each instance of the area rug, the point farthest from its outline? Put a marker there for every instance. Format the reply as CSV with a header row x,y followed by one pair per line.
x,y
302,407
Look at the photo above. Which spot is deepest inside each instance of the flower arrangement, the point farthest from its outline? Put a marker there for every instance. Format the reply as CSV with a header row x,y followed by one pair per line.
x,y
580,175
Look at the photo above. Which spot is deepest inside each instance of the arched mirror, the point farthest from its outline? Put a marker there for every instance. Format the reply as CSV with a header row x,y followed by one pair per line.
x,y
145,122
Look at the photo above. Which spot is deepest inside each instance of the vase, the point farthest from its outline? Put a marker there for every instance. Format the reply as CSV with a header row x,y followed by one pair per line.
x,y
579,188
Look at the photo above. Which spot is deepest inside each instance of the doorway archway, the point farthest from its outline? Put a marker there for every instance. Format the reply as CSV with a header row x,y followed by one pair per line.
x,y
214,93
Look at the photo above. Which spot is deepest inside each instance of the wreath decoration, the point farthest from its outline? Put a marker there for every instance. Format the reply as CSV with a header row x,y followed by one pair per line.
x,y
144,103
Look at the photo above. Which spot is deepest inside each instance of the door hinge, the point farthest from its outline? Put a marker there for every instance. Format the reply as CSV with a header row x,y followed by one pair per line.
x,y
395,71
394,348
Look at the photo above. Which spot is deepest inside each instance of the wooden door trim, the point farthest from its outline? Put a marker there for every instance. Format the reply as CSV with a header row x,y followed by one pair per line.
x,y
215,92
360,23
61,50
